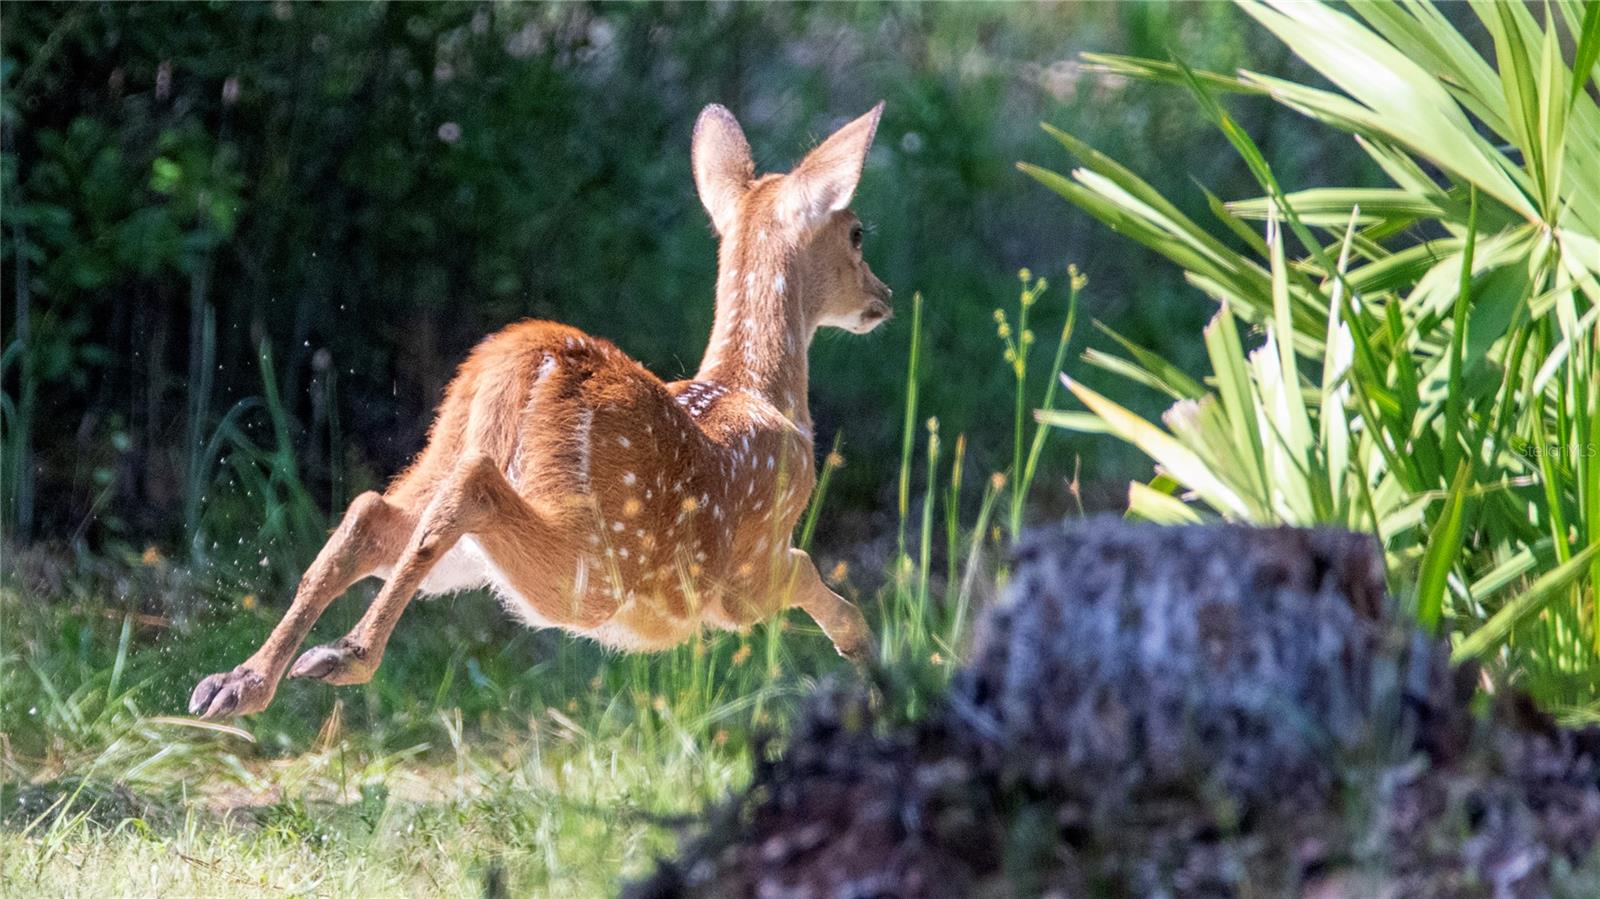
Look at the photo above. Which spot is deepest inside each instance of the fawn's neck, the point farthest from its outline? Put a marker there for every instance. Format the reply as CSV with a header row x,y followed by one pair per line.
x,y
760,338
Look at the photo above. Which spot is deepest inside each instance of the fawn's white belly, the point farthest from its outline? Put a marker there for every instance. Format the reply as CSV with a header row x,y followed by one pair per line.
x,y
466,567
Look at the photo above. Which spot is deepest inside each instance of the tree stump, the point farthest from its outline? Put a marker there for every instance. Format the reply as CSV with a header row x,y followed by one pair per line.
x,y
1199,711
1134,657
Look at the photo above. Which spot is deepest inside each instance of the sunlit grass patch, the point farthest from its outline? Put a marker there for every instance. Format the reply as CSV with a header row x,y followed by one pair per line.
x,y
562,820
318,797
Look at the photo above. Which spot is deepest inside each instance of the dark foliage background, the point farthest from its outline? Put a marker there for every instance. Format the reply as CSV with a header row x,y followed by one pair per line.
x,y
246,244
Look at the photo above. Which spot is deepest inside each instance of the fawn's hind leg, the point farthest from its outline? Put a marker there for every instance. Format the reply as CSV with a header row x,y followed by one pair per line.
x,y
369,537
474,499
837,616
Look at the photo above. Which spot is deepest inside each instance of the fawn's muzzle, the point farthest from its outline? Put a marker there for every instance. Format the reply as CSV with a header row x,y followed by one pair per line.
x,y
877,312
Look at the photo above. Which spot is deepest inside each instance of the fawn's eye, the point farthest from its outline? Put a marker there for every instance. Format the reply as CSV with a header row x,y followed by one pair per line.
x,y
855,236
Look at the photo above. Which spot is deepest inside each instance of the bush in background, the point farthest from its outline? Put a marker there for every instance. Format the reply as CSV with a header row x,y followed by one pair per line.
x,y
247,244
1427,356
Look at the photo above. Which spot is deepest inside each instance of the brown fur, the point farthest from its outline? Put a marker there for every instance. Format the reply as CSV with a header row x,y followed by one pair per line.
x,y
596,498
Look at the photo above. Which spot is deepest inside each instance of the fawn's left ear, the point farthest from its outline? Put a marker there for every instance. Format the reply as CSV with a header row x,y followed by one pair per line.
x,y
722,165
826,179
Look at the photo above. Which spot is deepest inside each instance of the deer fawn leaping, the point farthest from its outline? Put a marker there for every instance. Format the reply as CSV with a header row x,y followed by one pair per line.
x,y
596,498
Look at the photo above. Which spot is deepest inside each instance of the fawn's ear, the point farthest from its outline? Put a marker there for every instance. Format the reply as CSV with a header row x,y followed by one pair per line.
x,y
722,165
826,179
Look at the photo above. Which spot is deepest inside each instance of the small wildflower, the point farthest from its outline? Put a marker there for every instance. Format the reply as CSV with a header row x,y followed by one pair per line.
x,y
450,132
1025,275
659,704
834,460
839,572
720,738
248,601
997,481
152,556
742,654
936,658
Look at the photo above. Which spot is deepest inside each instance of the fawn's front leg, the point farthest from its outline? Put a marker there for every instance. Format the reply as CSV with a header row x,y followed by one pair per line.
x,y
369,537
837,616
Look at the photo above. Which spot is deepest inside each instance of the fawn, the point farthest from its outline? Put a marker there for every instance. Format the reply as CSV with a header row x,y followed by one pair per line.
x,y
592,496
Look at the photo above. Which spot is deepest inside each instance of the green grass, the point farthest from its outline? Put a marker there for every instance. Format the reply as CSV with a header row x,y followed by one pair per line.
x,y
479,745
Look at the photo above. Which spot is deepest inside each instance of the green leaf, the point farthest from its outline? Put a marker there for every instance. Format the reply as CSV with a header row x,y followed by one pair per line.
x,y
1588,53
1295,422
1162,508
1168,377
165,175
1520,563
1395,97
1516,80
1552,126
1337,358
1442,552
1455,434
1228,364
1234,223
1178,460
1082,422
1330,206
1157,70
1105,166
1550,585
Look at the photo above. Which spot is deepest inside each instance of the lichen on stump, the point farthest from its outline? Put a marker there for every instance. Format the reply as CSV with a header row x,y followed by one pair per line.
x,y
1185,712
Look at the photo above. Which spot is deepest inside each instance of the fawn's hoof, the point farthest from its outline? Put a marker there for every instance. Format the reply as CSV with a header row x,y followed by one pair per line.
x,y
862,655
237,692
338,663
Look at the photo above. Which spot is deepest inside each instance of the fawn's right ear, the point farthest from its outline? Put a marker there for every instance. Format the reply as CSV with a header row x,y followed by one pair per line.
x,y
722,164
825,180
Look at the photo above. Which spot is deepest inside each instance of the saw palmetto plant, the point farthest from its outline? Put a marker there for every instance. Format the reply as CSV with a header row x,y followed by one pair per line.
x,y
1416,360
